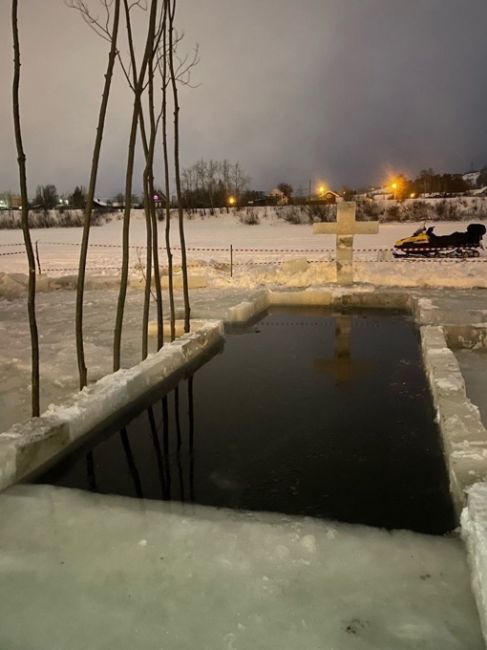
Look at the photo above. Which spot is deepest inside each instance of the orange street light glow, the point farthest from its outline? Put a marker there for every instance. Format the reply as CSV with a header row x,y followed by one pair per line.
x,y
231,200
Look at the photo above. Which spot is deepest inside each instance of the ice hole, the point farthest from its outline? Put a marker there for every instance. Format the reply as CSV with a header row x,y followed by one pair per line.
x,y
306,412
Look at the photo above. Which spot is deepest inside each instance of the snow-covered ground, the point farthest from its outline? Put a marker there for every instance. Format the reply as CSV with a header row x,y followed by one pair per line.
x,y
79,571
272,252
207,238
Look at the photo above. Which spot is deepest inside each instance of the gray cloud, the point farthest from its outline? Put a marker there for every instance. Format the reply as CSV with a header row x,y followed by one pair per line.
x,y
343,90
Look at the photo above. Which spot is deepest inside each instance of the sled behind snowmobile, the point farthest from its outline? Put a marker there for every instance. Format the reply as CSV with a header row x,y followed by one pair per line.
x,y
425,243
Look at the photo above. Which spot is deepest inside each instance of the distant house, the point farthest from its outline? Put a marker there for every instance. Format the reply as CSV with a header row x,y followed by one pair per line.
x,y
327,198
278,197
331,197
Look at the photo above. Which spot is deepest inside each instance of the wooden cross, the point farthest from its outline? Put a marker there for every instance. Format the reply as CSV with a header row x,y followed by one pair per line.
x,y
345,227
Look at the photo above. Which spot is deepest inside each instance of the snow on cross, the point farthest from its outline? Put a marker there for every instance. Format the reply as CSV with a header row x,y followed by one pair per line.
x,y
345,227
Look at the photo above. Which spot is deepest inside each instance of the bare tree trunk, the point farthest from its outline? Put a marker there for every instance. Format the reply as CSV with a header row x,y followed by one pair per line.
x,y
145,185
184,266
138,90
155,234
151,222
148,224
148,269
83,374
172,315
117,342
34,337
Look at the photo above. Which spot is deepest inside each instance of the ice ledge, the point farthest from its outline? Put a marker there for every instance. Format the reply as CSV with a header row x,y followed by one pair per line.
x,y
353,296
474,533
463,434
27,446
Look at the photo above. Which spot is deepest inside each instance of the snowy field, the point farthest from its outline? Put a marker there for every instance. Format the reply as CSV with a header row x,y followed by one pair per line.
x,y
91,571
208,240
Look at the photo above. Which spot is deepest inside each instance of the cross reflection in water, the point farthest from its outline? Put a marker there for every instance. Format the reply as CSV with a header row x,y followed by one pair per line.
x,y
343,366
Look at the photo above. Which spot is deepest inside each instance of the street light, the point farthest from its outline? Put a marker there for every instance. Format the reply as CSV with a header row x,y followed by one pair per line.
x,y
321,190
231,200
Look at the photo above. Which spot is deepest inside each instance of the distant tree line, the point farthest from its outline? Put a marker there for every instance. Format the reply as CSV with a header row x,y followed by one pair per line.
x,y
47,197
214,184
431,183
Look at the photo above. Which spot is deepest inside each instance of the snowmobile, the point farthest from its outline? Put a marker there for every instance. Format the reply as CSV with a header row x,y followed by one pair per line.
x,y
424,243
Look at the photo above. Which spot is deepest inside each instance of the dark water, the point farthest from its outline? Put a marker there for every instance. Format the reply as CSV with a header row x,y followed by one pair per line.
x,y
307,413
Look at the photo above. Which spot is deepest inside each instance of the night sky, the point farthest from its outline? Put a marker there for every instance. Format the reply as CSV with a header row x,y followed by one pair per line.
x,y
344,91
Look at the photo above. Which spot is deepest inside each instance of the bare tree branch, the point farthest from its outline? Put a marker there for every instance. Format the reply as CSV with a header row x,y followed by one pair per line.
x,y
184,66
126,73
92,21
